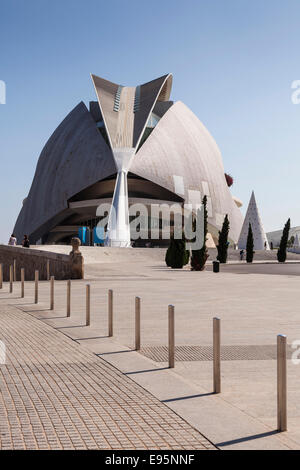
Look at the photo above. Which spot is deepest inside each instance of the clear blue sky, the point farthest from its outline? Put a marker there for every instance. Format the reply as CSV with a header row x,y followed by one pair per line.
x,y
233,63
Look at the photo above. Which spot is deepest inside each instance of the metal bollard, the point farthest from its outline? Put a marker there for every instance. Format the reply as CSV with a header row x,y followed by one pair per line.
x,y
48,270
217,354
36,287
69,298
15,270
1,276
11,277
22,282
110,312
281,384
88,305
52,293
171,310
137,323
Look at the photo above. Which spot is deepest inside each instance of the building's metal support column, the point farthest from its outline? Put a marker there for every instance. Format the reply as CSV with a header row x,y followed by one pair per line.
x,y
118,230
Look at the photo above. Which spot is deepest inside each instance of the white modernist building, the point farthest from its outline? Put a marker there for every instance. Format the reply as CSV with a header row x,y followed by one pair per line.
x,y
132,146
252,217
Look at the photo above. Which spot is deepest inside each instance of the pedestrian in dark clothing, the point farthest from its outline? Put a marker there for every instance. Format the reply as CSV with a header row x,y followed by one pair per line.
x,y
25,242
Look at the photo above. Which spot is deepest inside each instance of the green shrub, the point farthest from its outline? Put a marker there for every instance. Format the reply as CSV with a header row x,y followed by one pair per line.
x,y
177,255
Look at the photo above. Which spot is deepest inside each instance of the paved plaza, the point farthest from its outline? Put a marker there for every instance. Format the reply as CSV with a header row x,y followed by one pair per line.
x,y
70,386
55,394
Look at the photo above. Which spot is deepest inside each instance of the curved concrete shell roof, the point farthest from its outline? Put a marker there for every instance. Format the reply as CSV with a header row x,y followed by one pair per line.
x,y
75,157
179,155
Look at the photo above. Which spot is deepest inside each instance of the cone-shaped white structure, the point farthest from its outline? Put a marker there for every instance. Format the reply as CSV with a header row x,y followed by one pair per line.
x,y
296,242
252,217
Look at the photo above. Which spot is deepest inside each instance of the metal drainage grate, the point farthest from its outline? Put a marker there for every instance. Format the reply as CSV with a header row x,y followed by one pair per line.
x,y
205,353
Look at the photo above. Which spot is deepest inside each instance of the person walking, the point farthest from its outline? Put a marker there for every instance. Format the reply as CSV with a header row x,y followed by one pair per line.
x,y
12,240
241,255
25,242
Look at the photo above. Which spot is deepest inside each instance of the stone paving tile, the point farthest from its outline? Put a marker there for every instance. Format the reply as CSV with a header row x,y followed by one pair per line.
x,y
55,394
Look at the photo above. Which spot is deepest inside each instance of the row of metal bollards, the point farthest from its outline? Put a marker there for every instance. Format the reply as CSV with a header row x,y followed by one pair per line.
x,y
13,273
281,351
51,278
281,339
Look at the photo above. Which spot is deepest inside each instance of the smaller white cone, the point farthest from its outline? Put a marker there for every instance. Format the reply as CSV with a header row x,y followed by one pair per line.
x,y
259,237
296,242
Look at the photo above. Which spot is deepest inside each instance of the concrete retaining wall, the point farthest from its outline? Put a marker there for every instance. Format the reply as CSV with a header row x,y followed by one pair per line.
x,y
62,266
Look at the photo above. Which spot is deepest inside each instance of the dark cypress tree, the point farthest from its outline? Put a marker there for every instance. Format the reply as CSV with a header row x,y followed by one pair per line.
x,y
177,255
187,252
250,246
168,254
223,241
186,257
281,253
199,257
